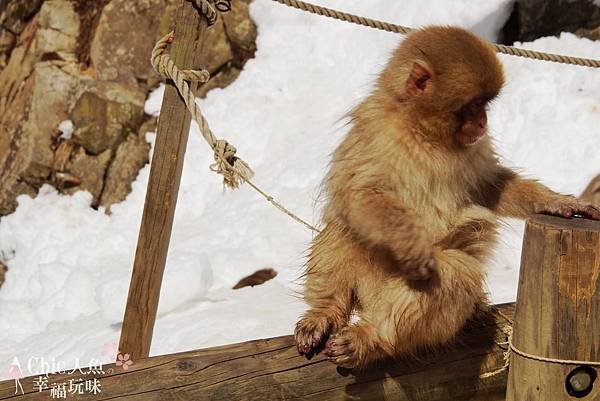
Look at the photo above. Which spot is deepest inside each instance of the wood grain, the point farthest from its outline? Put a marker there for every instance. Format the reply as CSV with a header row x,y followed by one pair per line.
x,y
161,194
558,307
271,369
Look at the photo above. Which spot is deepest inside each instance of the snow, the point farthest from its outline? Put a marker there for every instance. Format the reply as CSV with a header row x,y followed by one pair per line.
x,y
66,128
69,265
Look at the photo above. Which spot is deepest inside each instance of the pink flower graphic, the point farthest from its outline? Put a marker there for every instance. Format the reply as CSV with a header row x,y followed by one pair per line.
x,y
123,360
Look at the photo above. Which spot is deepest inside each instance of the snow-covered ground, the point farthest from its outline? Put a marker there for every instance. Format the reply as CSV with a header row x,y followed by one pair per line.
x,y
69,265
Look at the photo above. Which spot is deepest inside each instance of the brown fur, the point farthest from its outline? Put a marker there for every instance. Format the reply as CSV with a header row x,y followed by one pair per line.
x,y
411,214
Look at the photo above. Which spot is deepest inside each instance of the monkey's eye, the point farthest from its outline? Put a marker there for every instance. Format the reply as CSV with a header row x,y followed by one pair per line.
x,y
479,102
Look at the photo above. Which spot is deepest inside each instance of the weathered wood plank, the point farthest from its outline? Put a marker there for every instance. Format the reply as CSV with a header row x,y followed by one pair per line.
x,y
558,307
161,194
271,369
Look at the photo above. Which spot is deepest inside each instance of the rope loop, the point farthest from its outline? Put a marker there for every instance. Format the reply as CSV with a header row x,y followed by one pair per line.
x,y
164,65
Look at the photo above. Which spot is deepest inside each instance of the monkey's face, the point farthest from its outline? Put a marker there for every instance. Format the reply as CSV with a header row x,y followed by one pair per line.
x,y
452,103
445,79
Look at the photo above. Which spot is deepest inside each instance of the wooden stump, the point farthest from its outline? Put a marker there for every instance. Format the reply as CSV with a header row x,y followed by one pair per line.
x,y
558,311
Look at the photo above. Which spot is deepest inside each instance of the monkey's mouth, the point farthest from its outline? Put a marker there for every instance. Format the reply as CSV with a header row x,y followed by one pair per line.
x,y
466,139
472,140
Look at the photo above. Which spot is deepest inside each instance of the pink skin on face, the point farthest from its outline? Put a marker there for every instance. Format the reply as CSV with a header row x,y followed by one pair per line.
x,y
473,129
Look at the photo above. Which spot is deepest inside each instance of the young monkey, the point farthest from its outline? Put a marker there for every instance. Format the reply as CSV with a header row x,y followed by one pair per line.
x,y
414,193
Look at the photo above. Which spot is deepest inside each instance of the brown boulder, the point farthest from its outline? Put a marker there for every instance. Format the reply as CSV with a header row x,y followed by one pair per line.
x,y
89,170
87,61
131,156
103,114
532,19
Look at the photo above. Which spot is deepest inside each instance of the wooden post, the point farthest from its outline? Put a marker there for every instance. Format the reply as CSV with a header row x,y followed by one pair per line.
x,y
161,195
558,311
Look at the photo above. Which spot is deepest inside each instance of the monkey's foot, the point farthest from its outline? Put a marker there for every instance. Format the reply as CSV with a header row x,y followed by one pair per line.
x,y
310,334
346,348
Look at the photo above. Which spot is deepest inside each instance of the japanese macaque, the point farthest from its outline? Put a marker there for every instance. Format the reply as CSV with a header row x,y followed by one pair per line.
x,y
414,193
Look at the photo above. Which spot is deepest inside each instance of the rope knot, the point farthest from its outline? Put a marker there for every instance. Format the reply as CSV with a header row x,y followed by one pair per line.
x,y
207,9
233,169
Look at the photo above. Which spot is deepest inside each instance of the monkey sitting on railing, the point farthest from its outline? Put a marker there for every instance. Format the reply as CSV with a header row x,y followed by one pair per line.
x,y
414,194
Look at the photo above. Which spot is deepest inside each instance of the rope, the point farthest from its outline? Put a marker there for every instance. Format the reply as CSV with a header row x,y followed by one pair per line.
x,y
508,330
388,27
233,169
527,355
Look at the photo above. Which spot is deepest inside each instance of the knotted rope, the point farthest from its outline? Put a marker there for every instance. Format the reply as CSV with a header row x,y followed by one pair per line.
x,y
233,169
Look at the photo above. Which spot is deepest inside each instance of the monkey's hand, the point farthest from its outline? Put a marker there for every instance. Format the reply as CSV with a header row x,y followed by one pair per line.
x,y
417,262
568,207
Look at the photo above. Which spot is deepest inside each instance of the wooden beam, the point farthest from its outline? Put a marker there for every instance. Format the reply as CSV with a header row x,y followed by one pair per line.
x,y
161,195
558,307
265,370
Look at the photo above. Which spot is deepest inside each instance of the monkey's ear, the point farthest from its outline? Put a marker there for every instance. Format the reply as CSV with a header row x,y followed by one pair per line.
x,y
418,79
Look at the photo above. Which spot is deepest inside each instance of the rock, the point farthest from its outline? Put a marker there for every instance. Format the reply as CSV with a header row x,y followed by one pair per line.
x,y
216,52
7,43
131,156
14,17
220,80
532,19
34,98
123,42
14,14
593,34
58,30
241,31
101,122
87,61
89,170
592,192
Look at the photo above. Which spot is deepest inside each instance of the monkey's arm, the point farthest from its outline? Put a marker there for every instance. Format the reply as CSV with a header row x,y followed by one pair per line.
x,y
514,196
379,218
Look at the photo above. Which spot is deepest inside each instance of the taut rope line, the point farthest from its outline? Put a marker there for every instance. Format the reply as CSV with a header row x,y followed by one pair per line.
x,y
233,169
389,27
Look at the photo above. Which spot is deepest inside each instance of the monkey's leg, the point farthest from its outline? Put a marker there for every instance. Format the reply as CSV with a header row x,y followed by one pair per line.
x,y
399,317
328,289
